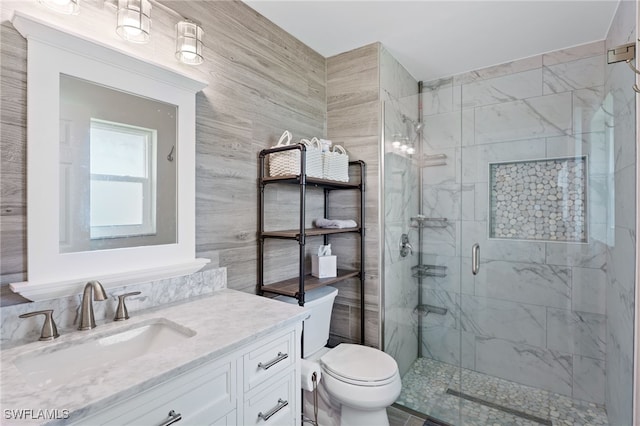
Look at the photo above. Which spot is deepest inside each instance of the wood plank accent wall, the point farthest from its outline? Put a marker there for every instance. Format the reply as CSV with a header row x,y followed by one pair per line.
x,y
261,81
353,121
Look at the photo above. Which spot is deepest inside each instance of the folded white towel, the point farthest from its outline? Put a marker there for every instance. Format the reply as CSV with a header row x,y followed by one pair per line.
x,y
335,223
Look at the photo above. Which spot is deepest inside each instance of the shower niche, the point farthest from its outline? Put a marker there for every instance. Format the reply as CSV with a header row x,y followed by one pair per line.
x,y
539,200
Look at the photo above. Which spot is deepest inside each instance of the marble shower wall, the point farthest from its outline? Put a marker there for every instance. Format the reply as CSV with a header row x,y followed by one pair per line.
x,y
535,313
621,254
398,91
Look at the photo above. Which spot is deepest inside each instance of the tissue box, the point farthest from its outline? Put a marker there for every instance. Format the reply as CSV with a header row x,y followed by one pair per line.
x,y
323,266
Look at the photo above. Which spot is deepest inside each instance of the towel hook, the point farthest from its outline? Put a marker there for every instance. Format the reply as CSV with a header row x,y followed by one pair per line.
x,y
170,156
636,88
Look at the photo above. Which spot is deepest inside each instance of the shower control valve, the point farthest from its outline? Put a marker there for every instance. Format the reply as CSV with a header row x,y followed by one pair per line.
x,y
405,246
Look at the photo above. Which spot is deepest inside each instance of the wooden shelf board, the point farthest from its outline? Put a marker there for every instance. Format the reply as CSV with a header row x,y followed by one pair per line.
x,y
311,181
291,286
311,232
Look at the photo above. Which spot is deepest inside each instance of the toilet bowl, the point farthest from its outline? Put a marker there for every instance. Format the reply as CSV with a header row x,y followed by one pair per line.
x,y
357,383
364,381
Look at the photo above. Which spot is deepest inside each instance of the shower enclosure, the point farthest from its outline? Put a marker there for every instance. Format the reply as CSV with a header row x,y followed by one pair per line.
x,y
527,169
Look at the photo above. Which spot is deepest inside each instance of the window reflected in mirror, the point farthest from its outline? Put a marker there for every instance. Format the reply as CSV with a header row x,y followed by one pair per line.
x,y
123,172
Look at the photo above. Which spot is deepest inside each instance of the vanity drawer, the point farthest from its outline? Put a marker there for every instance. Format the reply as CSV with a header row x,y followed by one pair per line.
x,y
200,396
268,360
273,404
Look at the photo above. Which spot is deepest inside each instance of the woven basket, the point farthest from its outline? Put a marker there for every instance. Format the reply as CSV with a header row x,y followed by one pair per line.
x,y
288,162
313,157
335,164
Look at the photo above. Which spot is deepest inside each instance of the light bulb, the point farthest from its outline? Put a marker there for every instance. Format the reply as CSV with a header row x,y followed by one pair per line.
x,y
404,148
395,144
132,27
411,150
188,52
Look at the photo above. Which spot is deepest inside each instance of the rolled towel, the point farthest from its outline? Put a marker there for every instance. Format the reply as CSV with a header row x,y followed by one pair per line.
x,y
335,223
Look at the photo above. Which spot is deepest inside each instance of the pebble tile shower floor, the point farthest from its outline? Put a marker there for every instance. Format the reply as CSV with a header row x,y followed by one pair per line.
x,y
424,389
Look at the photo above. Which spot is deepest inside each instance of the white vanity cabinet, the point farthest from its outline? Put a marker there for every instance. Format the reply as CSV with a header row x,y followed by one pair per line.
x,y
257,384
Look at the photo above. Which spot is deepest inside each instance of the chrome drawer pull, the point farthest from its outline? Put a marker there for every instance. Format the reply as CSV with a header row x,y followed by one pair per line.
x,y
280,406
173,418
274,361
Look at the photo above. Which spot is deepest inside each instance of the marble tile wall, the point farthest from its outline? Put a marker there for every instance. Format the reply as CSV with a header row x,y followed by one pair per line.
x,y
15,331
535,313
621,255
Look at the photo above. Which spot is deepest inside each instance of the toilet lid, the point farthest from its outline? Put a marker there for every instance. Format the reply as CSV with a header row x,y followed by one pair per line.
x,y
360,364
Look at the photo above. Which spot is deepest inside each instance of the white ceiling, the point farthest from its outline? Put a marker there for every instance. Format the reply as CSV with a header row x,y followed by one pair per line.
x,y
434,39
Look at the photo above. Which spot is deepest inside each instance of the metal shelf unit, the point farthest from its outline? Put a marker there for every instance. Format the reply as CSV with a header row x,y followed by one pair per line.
x,y
296,286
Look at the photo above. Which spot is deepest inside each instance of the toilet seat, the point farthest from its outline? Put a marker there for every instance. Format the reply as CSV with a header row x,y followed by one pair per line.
x,y
359,365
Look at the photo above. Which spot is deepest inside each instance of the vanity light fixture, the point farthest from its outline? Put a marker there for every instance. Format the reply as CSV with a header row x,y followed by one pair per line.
x,y
68,7
134,20
189,42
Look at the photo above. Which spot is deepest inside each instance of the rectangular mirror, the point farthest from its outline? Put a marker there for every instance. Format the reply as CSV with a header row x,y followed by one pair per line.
x,y
117,168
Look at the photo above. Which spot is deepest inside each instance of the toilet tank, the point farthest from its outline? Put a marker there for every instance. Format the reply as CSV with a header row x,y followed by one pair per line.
x,y
316,327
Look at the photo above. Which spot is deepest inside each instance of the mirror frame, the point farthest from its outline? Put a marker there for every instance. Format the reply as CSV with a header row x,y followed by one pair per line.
x,y
52,51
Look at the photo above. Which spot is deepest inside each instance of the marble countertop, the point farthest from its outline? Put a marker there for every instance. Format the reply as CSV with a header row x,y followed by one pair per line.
x,y
223,322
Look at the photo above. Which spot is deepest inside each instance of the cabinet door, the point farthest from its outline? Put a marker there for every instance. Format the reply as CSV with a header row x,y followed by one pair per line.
x,y
274,403
200,396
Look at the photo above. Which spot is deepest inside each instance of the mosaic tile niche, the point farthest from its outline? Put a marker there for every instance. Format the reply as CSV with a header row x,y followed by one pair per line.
x,y
539,200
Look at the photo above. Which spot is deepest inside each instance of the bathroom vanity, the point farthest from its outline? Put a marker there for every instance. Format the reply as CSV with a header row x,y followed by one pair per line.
x,y
229,358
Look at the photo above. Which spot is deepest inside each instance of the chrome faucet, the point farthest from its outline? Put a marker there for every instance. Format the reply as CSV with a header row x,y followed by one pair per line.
x,y
92,290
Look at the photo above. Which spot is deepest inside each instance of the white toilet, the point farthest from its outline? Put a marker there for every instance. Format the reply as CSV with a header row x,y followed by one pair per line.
x,y
357,383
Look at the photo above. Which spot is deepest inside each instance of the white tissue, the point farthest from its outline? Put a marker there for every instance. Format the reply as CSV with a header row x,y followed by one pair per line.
x,y
324,250
307,369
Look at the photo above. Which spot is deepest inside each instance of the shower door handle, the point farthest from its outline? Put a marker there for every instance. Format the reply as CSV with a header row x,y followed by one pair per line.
x,y
475,259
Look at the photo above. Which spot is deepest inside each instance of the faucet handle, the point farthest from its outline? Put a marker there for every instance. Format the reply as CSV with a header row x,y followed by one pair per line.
x,y
121,311
49,329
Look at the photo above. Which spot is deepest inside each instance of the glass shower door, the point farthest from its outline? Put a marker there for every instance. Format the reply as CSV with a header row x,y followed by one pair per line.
x,y
536,197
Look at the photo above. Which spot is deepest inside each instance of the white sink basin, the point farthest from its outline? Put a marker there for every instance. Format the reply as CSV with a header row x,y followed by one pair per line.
x,y
63,362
